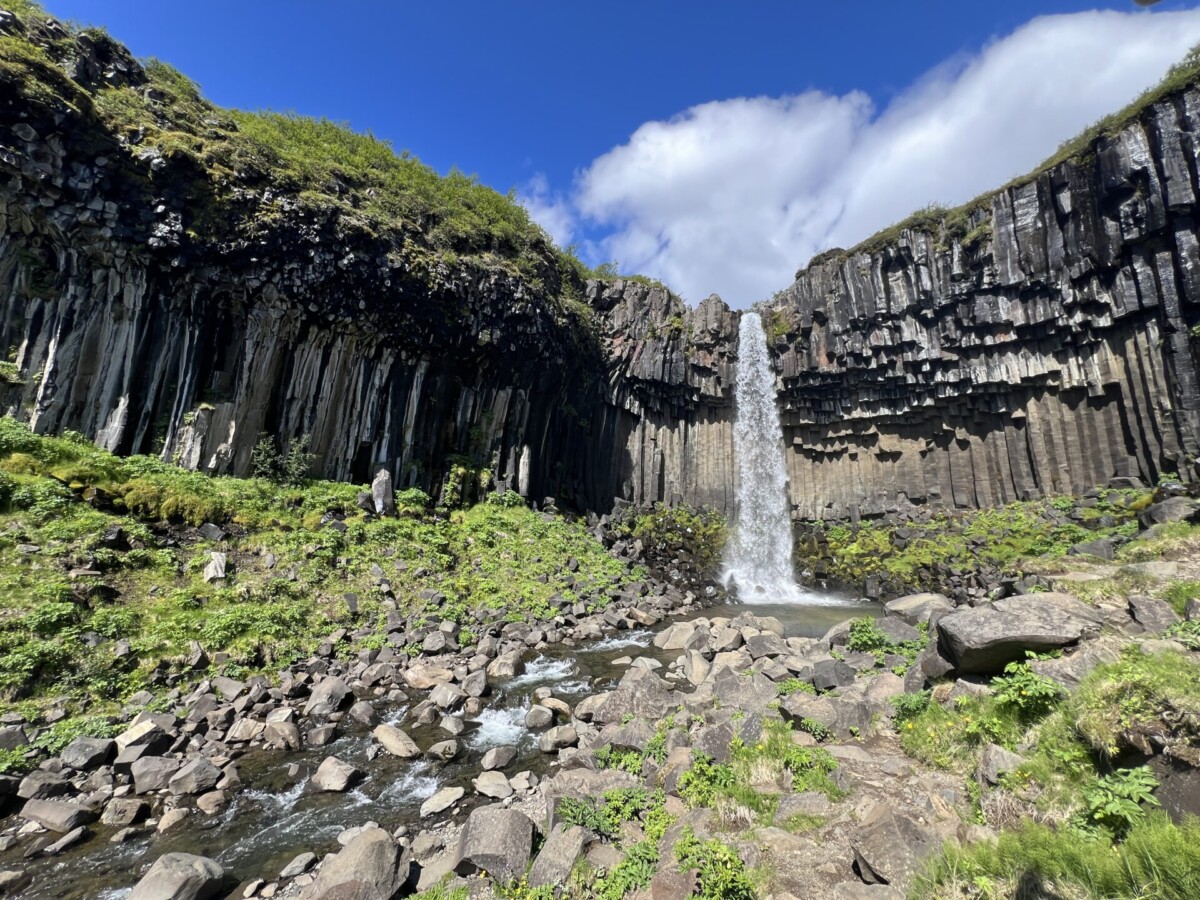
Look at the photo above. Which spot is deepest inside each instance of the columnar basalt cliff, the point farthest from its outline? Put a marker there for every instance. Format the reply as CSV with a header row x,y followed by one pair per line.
x,y
1042,341
169,284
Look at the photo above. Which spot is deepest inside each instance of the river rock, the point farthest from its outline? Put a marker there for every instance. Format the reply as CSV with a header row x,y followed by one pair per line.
x,y
370,867
153,773
57,815
122,812
42,785
396,742
327,697
558,738
507,665
196,777
441,801
180,876
334,775
493,784
498,757
538,717
423,677
495,840
443,750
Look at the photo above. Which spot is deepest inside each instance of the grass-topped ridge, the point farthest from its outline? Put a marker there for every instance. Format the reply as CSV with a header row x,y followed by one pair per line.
x,y
971,223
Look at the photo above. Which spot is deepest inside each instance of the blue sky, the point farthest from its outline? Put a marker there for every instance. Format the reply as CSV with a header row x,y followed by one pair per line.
x,y
717,145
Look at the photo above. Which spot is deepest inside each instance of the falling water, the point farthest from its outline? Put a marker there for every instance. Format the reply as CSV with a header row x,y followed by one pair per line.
x,y
759,559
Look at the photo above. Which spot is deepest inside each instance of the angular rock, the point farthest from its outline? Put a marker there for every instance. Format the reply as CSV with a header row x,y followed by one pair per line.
x,y
370,867
498,758
983,639
180,876
914,609
441,801
495,840
57,815
327,697
86,753
556,859
334,775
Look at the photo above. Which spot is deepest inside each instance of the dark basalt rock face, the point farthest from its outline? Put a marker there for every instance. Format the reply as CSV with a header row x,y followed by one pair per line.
x,y
1047,350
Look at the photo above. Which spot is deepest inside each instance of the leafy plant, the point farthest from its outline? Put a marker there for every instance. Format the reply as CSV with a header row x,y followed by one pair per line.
x,y
1030,694
722,874
909,706
1117,801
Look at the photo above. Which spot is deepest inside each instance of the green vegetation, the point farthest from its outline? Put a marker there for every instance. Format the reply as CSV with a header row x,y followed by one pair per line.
x,y
746,789
722,874
1004,538
867,637
665,530
70,593
1157,859
971,223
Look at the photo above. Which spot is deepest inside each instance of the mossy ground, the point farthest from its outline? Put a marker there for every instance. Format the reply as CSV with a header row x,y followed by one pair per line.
x,y
917,556
58,626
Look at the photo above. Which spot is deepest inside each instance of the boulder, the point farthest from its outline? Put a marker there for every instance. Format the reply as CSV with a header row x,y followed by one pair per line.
x,y
153,773
1152,614
498,757
370,867
382,496
831,673
1173,509
196,777
676,636
424,676
42,785
85,753
124,811
983,639
180,876
493,784
215,570
335,776
327,697
557,857
57,815
441,801
495,840
396,742
889,846
558,738
507,665
917,608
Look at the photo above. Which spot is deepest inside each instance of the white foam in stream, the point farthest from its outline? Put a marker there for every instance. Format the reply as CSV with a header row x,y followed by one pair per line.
x,y
619,642
541,670
500,726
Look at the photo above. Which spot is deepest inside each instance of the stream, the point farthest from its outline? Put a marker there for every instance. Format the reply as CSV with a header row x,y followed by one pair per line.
x,y
274,818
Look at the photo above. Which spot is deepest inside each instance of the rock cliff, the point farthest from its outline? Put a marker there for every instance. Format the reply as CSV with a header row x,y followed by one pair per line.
x,y
170,283
1041,340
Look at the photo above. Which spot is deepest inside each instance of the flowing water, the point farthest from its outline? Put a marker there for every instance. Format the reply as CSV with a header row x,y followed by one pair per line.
x,y
759,567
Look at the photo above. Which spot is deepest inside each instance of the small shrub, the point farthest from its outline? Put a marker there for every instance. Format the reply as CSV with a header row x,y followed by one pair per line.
x,y
1116,802
722,874
909,706
1030,694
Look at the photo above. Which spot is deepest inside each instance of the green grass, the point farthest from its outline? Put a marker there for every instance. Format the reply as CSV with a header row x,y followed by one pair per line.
x,y
1158,860
1003,538
486,559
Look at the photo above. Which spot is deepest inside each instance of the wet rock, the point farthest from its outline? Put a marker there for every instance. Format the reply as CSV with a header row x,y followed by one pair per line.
x,y
327,697
299,865
498,758
444,750
321,736
363,713
495,840
172,819
212,802
507,665
538,717
180,876
57,815
334,775
396,742
441,801
197,777
493,784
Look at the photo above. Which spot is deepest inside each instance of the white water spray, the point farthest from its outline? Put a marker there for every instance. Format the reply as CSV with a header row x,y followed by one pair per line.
x,y
759,559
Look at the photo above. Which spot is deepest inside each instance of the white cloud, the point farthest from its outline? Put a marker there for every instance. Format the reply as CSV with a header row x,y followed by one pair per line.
x,y
548,208
732,196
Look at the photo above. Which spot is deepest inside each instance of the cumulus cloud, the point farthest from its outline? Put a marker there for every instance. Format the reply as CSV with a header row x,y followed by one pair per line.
x,y
732,196
548,208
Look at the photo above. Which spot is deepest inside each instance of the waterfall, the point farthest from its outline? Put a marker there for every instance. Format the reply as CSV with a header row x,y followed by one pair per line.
x,y
759,558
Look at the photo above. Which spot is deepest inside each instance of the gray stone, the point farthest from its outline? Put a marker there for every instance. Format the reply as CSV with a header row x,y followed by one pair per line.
x,y
57,815
1152,614
381,493
180,876
370,867
984,639
556,859
498,758
495,840
889,847
493,784
299,865
327,697
994,762
153,773
85,753
1173,509
558,738
197,777
334,775
917,608
396,742
441,801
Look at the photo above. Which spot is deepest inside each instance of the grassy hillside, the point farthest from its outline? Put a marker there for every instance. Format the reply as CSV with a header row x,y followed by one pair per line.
x,y
303,561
